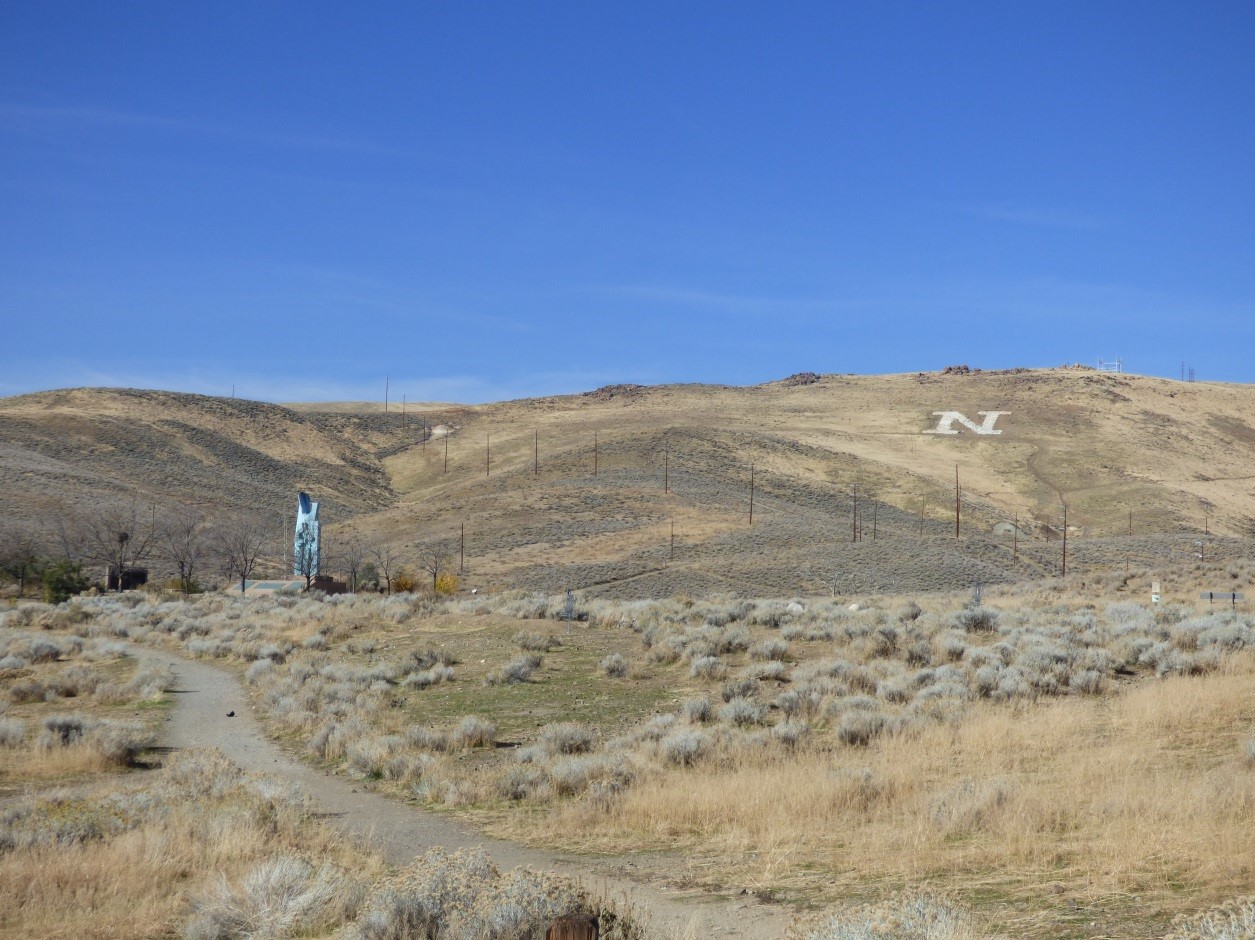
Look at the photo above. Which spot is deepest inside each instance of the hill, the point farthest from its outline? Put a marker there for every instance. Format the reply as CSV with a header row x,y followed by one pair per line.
x,y
216,453
583,491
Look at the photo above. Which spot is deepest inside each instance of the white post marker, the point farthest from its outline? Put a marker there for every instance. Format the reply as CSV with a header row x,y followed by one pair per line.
x,y
1154,592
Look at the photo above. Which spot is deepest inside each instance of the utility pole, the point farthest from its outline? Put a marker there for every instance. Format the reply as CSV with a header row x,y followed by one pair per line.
x,y
446,450
595,455
462,550
666,466
751,494
672,558
921,515
403,406
536,453
1065,541
854,516
957,502
1015,537
875,516
1128,548
488,455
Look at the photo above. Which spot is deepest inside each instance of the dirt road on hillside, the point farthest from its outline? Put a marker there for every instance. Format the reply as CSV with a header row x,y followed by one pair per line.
x,y
204,697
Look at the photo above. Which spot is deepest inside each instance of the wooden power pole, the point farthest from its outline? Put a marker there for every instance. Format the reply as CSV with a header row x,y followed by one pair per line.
x,y
1065,541
957,502
751,494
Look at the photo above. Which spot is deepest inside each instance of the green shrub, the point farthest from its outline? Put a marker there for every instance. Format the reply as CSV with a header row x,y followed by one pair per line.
x,y
63,580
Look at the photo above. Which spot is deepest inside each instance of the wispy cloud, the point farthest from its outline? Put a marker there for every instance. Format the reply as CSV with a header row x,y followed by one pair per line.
x,y
1041,216
108,117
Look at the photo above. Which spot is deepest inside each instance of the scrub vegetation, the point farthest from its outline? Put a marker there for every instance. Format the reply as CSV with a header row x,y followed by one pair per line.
x,y
1057,767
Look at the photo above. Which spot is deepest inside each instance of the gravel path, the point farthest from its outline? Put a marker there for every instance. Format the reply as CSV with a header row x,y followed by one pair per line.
x,y
206,694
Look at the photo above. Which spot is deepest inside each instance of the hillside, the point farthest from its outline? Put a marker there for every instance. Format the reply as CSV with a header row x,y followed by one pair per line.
x,y
84,444
544,509
1176,454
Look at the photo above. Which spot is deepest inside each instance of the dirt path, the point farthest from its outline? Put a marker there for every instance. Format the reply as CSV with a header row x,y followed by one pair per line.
x,y
205,696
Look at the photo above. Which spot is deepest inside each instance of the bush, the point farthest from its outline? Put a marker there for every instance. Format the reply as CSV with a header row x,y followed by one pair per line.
x,y
977,619
918,917
859,728
742,712
685,746
1232,921
404,583
535,643
276,898
769,650
615,666
62,580
12,732
474,731
697,710
447,583
517,670
566,738
708,667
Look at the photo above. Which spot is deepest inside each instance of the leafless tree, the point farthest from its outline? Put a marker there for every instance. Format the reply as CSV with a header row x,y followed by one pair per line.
x,y
21,547
240,542
387,559
305,560
118,535
353,556
184,539
433,557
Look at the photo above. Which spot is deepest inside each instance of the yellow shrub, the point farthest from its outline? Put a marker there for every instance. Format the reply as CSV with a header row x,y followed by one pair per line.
x,y
403,582
447,583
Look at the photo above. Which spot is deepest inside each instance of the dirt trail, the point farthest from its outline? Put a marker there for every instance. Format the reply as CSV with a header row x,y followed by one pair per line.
x,y
206,694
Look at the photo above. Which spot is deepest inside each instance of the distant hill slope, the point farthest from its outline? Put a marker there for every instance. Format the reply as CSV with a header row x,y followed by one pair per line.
x,y
600,517
1177,455
78,444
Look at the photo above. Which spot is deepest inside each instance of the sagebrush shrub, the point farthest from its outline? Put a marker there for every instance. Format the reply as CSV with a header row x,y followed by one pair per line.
x,y
615,666
917,917
566,738
12,732
474,731
742,712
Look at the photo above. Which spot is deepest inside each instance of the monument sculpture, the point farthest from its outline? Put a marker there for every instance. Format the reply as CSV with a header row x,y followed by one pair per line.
x,y
306,550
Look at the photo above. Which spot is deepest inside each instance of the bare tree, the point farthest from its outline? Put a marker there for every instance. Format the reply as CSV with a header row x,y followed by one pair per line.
x,y
118,535
184,539
240,543
353,557
305,560
22,545
387,559
433,557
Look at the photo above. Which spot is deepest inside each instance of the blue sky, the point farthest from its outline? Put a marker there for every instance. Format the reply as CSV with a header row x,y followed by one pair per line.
x,y
486,201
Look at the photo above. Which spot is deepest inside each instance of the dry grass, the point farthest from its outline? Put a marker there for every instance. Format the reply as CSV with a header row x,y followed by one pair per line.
x,y
36,765
1142,796
127,863
114,703
1054,764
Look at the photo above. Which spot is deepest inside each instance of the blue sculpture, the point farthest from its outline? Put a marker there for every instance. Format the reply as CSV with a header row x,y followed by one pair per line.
x,y
305,551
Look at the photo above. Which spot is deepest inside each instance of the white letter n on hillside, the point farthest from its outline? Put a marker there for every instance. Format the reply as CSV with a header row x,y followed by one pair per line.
x,y
946,419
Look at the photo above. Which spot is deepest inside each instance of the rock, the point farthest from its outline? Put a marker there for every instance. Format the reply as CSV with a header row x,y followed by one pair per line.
x,y
230,714
855,607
